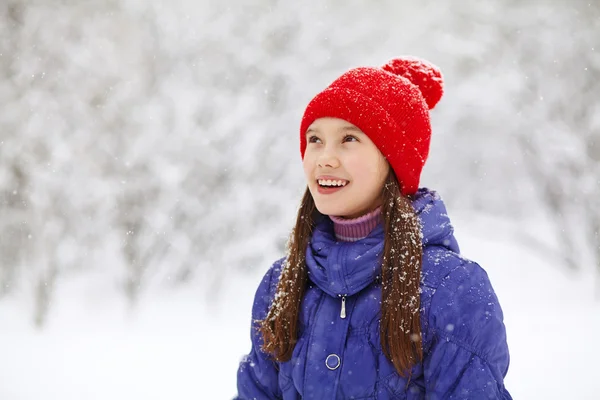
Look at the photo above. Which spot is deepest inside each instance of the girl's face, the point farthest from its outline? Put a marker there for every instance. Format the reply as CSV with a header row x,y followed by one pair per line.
x,y
344,169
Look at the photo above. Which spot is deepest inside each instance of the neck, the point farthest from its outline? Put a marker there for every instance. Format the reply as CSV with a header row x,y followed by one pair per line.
x,y
351,230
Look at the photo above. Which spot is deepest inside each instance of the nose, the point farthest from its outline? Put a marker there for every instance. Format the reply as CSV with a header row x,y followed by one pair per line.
x,y
328,159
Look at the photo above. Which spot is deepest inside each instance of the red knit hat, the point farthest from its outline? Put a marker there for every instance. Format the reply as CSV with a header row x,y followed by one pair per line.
x,y
391,105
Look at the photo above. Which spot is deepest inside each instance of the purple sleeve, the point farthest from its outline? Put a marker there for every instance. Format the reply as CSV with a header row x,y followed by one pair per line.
x,y
257,376
468,357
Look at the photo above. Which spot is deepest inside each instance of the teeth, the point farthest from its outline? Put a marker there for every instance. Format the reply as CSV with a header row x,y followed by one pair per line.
x,y
328,182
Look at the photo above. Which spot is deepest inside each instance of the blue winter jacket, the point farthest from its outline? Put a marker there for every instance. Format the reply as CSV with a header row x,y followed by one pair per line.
x,y
464,340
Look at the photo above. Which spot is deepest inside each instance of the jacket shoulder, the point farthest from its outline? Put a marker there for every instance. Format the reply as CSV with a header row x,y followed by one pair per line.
x,y
266,290
438,263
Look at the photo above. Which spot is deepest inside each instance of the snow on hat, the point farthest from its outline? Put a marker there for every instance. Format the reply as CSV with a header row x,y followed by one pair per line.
x,y
391,105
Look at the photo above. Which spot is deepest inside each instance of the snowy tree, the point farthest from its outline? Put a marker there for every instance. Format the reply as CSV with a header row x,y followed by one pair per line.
x,y
149,144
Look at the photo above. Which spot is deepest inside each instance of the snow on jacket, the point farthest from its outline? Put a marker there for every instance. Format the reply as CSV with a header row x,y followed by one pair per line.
x,y
464,339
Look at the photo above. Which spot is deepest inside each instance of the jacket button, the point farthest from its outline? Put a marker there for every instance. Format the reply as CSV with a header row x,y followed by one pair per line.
x,y
333,361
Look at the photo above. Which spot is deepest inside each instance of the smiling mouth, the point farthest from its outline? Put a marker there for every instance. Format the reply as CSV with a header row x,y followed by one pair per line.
x,y
330,183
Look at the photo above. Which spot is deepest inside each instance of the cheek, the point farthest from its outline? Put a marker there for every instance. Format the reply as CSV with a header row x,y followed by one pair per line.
x,y
366,172
370,175
384,170
308,166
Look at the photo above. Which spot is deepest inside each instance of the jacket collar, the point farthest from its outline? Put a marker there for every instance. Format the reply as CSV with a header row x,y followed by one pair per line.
x,y
345,268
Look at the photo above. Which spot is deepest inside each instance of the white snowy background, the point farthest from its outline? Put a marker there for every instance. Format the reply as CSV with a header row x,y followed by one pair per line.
x,y
150,172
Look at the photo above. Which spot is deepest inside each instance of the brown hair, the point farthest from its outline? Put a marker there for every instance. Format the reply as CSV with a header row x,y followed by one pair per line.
x,y
400,327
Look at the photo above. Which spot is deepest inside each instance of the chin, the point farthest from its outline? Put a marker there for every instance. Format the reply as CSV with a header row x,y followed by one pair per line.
x,y
335,211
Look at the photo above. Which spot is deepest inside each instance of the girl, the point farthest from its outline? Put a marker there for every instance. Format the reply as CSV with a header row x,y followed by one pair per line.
x,y
374,300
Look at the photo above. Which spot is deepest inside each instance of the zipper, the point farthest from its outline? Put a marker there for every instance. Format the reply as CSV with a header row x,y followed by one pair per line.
x,y
343,311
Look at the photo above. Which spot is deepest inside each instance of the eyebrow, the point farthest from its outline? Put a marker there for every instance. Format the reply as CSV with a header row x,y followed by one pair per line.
x,y
351,128
344,128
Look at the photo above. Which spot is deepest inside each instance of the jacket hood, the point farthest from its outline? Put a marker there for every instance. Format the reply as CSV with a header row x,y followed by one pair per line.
x,y
345,268
436,227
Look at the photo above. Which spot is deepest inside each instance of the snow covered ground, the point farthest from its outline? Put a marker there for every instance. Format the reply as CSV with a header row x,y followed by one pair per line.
x,y
173,346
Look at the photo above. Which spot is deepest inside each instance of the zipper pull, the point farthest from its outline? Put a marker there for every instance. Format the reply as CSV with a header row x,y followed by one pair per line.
x,y
343,312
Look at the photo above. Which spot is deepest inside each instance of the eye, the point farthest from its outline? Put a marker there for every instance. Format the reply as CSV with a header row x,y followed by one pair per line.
x,y
350,138
313,139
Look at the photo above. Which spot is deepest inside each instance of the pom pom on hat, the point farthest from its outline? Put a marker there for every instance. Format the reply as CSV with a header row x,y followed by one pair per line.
x,y
422,73
391,105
